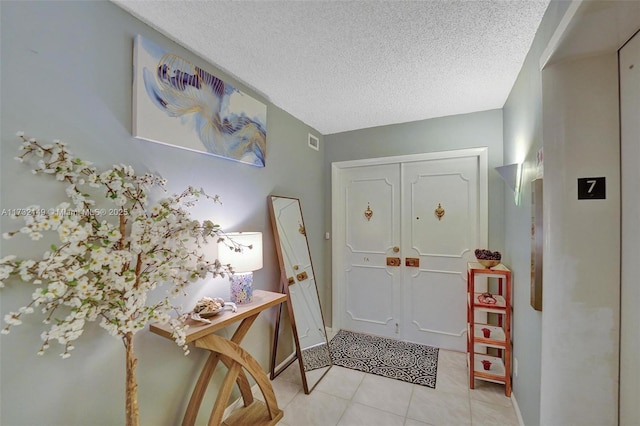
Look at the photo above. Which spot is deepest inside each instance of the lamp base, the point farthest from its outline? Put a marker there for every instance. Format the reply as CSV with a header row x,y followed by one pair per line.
x,y
242,288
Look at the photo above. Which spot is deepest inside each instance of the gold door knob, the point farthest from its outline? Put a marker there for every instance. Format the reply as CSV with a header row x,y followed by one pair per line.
x,y
393,261
396,249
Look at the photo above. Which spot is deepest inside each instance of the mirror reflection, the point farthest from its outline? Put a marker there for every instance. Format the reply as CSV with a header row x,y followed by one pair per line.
x,y
299,283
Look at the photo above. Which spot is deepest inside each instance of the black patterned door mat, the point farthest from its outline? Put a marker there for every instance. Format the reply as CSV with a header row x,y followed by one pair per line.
x,y
316,357
409,362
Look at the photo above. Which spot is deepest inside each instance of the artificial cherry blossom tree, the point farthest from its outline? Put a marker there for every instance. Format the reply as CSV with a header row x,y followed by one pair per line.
x,y
115,247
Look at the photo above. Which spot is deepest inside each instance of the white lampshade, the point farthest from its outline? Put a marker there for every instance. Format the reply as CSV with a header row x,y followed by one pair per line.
x,y
247,259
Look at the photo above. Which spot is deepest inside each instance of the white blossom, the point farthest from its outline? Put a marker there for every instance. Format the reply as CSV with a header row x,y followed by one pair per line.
x,y
104,266
12,318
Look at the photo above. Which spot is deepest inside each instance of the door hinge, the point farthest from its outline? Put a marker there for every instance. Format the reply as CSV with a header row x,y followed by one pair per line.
x,y
397,328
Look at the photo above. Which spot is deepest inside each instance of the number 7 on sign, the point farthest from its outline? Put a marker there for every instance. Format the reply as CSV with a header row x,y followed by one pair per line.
x,y
592,188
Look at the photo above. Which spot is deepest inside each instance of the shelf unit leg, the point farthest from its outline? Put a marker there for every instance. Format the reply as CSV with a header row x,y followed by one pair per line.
x,y
471,318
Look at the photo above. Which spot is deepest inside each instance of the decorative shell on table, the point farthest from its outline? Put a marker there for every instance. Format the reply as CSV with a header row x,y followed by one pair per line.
x,y
208,307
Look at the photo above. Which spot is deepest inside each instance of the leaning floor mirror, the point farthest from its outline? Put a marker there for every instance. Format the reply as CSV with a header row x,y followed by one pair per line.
x,y
299,284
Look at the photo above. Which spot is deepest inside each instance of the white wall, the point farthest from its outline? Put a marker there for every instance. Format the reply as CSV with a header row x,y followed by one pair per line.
x,y
66,72
522,139
580,322
578,363
630,291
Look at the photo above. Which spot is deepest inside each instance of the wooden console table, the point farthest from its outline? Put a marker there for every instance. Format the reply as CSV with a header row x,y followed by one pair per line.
x,y
237,361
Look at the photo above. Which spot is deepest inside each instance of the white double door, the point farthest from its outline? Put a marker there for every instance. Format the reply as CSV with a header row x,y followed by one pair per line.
x,y
404,230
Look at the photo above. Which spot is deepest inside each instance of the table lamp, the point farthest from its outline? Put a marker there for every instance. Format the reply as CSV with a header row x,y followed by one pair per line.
x,y
243,262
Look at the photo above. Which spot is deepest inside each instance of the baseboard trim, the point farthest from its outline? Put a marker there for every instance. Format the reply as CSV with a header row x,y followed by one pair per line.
x,y
517,408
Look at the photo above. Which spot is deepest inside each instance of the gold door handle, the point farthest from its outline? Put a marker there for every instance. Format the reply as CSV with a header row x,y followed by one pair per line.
x,y
396,249
393,261
302,276
412,261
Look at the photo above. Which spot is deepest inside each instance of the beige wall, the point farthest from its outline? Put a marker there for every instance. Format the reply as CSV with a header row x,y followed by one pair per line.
x,y
575,99
581,129
580,320
630,290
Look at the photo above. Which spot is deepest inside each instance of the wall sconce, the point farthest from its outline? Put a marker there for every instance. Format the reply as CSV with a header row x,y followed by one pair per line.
x,y
512,176
243,262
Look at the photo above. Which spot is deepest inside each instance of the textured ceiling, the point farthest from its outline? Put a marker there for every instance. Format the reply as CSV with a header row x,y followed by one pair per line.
x,y
346,65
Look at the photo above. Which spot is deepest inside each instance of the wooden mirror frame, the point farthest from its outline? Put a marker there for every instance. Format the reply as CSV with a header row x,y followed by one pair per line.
x,y
287,281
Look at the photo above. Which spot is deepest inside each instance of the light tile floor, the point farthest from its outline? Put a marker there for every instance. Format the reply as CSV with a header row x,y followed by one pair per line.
x,y
348,397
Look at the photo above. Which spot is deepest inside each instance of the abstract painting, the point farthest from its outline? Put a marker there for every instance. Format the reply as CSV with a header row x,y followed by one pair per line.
x,y
180,104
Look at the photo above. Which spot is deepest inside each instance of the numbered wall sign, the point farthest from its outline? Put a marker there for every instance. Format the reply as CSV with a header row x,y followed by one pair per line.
x,y
593,188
